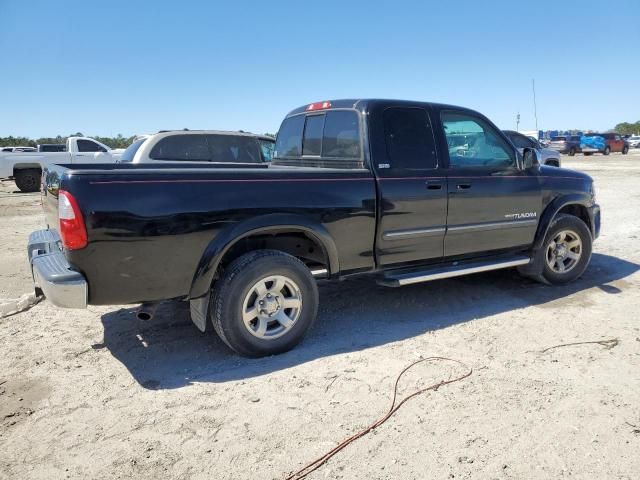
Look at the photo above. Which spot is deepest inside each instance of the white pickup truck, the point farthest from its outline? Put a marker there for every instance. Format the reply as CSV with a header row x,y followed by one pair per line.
x,y
26,167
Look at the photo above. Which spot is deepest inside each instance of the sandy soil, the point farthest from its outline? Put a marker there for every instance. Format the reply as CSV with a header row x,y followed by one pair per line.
x,y
98,394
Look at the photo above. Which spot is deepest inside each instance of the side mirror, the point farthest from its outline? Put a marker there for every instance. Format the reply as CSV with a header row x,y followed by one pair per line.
x,y
530,156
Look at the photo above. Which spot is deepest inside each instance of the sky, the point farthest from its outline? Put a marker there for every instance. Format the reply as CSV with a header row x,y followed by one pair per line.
x,y
132,67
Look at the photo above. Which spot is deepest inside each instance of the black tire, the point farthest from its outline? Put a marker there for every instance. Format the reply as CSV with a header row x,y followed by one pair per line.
x,y
575,225
236,285
625,149
553,162
572,152
28,180
606,151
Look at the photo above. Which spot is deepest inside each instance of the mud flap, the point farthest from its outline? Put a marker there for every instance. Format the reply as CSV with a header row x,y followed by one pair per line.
x,y
534,269
199,308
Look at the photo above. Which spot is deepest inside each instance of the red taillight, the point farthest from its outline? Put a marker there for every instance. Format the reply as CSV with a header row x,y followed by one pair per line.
x,y
319,106
72,230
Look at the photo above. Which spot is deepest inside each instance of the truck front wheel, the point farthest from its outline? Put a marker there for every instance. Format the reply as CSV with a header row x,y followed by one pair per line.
x,y
264,303
566,250
28,180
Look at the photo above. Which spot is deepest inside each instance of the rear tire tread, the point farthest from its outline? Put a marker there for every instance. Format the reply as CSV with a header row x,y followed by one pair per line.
x,y
222,288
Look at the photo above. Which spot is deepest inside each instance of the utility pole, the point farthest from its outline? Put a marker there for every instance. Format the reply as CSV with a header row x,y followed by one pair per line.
x,y
518,122
535,108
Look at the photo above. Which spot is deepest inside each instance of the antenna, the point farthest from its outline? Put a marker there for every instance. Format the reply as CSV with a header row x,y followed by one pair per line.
x,y
535,108
518,122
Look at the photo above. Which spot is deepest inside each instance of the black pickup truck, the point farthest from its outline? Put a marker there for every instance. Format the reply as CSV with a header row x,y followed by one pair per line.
x,y
401,191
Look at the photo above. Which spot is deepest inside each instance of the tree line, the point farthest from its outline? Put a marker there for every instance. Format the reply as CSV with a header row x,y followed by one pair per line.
x,y
118,141
626,128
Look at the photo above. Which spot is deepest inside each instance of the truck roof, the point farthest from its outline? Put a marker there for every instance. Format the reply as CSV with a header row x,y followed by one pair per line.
x,y
238,133
363,104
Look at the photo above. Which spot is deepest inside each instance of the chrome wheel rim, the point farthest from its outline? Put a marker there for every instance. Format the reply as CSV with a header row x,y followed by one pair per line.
x,y
564,251
272,307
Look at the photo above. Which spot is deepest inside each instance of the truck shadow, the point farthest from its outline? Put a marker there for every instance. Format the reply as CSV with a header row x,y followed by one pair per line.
x,y
169,352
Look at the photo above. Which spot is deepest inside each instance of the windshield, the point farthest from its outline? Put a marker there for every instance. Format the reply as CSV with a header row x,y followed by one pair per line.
x,y
558,139
130,152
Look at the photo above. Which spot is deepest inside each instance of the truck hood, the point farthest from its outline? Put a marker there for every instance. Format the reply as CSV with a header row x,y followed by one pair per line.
x,y
564,173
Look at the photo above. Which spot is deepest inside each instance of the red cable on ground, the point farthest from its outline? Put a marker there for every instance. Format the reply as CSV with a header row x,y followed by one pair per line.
x,y
317,463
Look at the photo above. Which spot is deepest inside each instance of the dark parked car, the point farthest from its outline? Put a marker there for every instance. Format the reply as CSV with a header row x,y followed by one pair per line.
x,y
548,156
381,188
569,144
613,142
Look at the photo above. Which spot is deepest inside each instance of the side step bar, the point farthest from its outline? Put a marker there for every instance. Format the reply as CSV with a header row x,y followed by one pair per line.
x,y
454,270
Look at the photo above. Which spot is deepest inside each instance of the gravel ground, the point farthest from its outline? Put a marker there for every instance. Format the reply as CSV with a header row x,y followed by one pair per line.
x,y
99,394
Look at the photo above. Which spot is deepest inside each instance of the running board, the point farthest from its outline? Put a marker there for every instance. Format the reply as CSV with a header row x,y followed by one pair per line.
x,y
454,270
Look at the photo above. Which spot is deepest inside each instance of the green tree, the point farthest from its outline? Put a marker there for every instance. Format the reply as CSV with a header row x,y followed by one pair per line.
x,y
626,128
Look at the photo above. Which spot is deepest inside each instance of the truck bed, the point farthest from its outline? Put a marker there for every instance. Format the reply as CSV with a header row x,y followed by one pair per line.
x,y
149,226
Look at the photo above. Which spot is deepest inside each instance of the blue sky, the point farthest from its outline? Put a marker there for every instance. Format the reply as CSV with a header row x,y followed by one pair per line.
x,y
108,67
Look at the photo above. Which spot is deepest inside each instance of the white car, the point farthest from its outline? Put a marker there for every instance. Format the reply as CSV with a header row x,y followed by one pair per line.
x,y
634,141
211,146
26,167
18,149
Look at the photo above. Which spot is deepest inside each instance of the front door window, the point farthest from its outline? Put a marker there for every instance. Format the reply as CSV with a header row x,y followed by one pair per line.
x,y
473,143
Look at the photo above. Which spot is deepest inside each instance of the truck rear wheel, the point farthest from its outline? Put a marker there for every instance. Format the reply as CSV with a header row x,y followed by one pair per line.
x,y
264,303
572,152
28,180
566,250
625,149
607,150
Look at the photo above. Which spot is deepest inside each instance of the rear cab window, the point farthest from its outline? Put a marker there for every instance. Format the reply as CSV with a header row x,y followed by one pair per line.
x,y
328,138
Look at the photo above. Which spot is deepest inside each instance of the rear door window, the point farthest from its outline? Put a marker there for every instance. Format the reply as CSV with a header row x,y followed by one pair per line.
x,y
267,147
409,139
234,148
181,148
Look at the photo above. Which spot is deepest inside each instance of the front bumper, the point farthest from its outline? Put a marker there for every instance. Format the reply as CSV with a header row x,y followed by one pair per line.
x,y
52,274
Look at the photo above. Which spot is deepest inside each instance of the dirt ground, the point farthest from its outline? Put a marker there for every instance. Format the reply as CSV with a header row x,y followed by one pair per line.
x,y
99,394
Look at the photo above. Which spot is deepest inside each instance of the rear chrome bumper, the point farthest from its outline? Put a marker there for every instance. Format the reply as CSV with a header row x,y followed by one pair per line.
x,y
52,274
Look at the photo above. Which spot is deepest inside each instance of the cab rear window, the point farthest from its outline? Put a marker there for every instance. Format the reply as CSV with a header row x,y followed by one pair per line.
x,y
331,135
